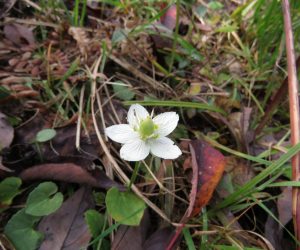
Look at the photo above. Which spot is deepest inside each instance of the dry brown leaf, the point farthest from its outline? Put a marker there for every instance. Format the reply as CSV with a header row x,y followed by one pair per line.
x,y
66,228
169,18
159,240
284,205
208,165
67,172
80,36
125,235
18,33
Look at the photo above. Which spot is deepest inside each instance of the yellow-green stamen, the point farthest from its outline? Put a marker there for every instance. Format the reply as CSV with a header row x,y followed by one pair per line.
x,y
147,128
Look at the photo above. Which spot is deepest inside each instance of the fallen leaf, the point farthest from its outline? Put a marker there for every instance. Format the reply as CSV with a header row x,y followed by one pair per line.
x,y
63,145
240,171
273,231
169,18
159,240
66,228
18,33
80,36
125,235
208,165
239,122
284,205
6,132
68,172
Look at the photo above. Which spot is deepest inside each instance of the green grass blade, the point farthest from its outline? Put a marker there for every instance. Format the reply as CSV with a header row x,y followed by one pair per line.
x,y
250,186
236,153
179,104
188,239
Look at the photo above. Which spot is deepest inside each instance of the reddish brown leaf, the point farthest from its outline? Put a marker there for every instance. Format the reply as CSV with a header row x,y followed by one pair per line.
x,y
66,229
67,172
208,166
169,18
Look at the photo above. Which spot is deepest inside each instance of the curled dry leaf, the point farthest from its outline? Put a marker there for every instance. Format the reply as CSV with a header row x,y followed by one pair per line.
x,y
67,172
66,228
208,165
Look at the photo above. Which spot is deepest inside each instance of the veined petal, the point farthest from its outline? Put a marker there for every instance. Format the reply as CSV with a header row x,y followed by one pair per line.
x,y
135,151
164,148
136,113
121,133
166,123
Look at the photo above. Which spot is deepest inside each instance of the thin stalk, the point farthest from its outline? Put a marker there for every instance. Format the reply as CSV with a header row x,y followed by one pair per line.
x,y
294,112
175,36
134,175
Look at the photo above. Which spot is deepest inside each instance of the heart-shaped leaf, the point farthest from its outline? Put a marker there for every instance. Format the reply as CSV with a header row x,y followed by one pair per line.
x,y
20,232
44,200
95,222
124,207
9,188
123,92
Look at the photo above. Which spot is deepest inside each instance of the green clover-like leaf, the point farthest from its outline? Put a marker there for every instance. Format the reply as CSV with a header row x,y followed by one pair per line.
x,y
124,207
44,200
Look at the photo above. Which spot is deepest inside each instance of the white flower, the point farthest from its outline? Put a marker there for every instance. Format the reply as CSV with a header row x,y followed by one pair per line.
x,y
145,134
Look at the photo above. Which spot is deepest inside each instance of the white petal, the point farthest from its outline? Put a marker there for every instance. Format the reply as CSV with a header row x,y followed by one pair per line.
x,y
135,151
121,133
136,113
166,123
164,148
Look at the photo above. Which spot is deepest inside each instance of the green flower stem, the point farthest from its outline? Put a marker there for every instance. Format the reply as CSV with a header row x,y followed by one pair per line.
x,y
134,175
37,145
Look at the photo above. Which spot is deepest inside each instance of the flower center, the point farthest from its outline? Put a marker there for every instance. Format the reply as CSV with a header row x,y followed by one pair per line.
x,y
146,128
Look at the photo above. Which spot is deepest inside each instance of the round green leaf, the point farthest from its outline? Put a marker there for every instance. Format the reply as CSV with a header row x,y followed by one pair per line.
x,y
123,92
95,222
19,230
9,188
45,135
124,207
44,200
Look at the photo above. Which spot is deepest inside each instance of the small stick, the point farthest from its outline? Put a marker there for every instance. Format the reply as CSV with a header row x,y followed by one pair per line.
x,y
294,112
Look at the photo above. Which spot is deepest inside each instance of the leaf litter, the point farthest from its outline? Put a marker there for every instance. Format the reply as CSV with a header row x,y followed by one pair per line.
x,y
199,53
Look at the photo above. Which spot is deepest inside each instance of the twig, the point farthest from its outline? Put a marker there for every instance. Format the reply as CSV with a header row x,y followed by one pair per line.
x,y
294,112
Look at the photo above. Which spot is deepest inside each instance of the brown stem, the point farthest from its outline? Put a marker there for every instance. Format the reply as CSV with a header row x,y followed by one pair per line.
x,y
294,111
